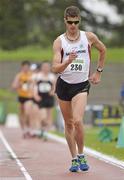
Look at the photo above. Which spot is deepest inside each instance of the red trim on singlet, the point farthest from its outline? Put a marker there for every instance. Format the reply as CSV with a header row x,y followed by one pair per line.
x,y
62,53
89,52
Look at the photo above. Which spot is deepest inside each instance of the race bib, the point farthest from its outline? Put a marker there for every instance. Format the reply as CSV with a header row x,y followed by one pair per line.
x,y
44,87
76,67
25,86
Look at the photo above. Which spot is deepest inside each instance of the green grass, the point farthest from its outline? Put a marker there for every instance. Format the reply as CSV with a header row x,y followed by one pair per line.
x,y
5,94
9,100
114,55
27,53
92,141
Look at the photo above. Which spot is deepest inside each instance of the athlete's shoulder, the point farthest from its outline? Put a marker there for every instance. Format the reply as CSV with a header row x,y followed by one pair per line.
x,y
91,36
39,76
58,39
19,74
30,73
57,43
52,77
17,77
81,31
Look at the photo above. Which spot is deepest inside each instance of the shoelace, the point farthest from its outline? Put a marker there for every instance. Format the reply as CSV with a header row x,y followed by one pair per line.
x,y
75,163
82,160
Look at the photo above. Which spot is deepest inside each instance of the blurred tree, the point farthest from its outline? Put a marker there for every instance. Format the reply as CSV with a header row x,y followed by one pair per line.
x,y
46,19
13,30
25,22
119,4
37,21
118,29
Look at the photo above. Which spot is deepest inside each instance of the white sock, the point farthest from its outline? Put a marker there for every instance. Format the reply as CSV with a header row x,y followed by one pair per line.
x,y
37,132
74,158
80,154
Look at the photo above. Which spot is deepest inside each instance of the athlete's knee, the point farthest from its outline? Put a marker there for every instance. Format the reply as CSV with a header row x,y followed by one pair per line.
x,y
77,123
69,125
77,118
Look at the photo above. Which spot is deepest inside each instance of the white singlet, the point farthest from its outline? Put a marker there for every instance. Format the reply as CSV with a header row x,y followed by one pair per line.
x,y
78,70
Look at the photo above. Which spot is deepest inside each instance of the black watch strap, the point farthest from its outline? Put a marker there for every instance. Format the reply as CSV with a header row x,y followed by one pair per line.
x,y
99,70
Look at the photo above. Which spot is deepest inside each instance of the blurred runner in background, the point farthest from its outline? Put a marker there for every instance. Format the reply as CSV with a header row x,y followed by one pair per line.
x,y
44,95
23,86
35,117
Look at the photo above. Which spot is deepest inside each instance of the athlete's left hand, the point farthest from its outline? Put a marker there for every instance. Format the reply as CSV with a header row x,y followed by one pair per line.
x,y
95,78
51,93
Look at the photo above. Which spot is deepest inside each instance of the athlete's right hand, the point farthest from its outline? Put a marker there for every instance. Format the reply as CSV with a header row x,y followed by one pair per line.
x,y
72,57
37,98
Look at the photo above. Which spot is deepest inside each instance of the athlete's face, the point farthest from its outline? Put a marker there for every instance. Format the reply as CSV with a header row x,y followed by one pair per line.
x,y
25,68
45,68
72,24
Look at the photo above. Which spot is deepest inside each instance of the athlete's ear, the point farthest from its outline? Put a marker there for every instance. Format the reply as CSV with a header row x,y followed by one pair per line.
x,y
65,20
79,20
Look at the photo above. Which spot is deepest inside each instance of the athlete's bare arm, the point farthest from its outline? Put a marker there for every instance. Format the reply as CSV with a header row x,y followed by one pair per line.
x,y
52,92
94,41
35,93
57,66
16,83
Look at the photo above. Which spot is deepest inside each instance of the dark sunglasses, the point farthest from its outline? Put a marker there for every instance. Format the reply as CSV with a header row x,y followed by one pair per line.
x,y
71,22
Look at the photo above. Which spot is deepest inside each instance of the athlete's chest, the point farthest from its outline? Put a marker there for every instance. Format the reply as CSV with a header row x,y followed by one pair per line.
x,y
80,63
25,77
79,48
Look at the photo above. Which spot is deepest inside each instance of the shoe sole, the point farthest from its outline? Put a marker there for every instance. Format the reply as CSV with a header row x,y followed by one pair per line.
x,y
74,171
84,169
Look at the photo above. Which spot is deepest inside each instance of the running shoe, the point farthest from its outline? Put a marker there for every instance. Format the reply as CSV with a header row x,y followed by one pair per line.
x,y
40,134
45,138
75,165
44,135
83,163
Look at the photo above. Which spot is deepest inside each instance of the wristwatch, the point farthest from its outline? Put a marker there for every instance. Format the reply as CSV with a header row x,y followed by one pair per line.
x,y
99,69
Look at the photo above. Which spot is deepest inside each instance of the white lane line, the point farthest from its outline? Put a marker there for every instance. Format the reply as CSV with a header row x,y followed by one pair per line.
x,y
9,149
91,152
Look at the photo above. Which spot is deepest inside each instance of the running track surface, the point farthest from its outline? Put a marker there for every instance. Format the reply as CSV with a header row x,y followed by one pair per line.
x,y
47,160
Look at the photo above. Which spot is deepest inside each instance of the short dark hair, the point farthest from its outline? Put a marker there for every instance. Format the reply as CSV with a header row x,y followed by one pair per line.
x,y
72,11
25,63
45,62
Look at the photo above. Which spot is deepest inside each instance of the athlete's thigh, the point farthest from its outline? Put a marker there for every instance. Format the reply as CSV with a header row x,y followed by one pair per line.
x,y
35,109
21,107
49,113
43,114
28,105
78,105
66,109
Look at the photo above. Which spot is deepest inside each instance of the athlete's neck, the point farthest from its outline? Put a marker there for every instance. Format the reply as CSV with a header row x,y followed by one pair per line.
x,y
72,36
45,73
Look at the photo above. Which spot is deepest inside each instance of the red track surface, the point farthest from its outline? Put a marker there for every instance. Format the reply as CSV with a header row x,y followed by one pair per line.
x,y
47,161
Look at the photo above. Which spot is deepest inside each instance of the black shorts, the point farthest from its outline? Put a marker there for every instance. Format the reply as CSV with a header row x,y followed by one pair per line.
x,y
66,91
47,102
22,100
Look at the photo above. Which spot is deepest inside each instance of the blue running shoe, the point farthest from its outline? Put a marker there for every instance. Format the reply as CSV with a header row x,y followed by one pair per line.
x,y
83,163
75,165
